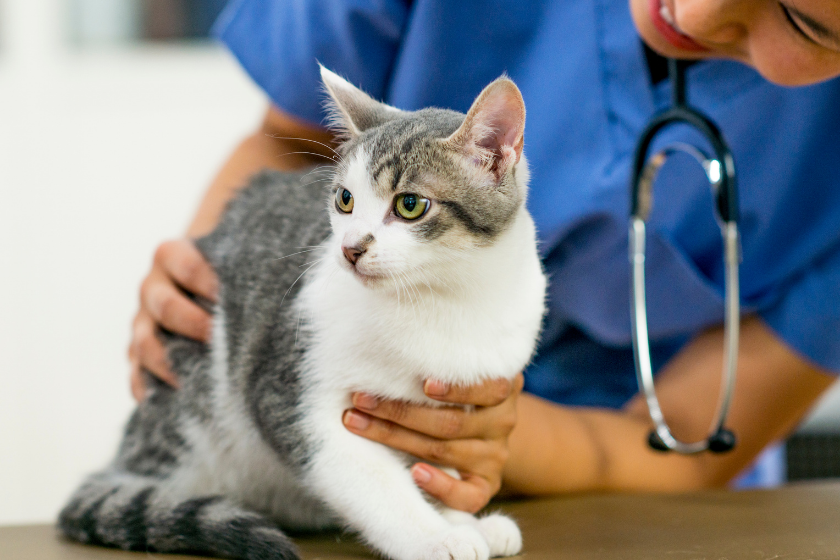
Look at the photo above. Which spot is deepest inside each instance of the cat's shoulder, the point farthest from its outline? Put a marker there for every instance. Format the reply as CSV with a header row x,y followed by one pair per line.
x,y
280,194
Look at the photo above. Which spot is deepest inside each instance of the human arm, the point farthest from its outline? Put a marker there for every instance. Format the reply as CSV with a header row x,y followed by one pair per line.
x,y
555,449
605,450
281,142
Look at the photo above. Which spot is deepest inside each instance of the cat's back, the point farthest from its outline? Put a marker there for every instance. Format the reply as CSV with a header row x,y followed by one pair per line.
x,y
275,213
203,438
275,216
268,238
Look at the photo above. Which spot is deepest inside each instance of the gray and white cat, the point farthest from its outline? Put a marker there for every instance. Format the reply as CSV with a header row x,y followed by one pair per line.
x,y
424,266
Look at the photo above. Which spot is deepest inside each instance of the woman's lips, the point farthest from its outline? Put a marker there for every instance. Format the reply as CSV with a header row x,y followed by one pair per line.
x,y
660,15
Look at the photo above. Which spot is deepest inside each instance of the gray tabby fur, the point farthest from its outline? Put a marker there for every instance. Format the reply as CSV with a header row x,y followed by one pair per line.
x,y
126,505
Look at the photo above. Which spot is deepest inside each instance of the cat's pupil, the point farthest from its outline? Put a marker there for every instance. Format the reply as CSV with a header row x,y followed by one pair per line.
x,y
345,197
409,202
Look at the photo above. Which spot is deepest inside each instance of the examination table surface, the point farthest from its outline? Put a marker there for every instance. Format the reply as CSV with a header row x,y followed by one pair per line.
x,y
798,521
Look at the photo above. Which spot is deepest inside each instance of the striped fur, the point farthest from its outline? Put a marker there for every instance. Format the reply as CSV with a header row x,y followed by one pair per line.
x,y
136,514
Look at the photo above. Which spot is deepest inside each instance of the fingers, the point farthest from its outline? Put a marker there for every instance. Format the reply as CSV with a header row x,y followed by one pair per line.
x,y
138,386
470,494
186,266
473,442
471,439
489,393
147,352
472,455
447,422
172,310
178,267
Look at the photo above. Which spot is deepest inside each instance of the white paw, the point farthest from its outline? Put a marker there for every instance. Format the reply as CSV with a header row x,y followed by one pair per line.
x,y
461,542
502,534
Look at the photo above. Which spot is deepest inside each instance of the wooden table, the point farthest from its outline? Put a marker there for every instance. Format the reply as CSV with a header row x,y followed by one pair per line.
x,y
799,521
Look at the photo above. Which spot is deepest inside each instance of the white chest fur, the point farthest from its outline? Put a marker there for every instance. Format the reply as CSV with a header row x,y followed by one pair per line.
x,y
387,342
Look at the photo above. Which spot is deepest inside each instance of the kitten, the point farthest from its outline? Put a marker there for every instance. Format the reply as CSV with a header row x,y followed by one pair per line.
x,y
424,266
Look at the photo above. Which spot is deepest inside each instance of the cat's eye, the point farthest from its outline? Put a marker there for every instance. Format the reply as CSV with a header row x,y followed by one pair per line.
x,y
343,200
411,206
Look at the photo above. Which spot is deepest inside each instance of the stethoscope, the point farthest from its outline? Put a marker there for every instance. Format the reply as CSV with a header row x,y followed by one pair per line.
x,y
720,171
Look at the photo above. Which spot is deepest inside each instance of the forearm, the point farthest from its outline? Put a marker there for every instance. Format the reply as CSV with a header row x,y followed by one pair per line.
x,y
562,449
556,449
280,143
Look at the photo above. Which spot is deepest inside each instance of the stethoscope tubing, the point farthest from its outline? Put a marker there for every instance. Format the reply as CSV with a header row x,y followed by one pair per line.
x,y
720,171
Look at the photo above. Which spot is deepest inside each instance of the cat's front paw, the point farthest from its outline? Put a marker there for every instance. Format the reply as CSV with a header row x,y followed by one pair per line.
x,y
502,534
461,542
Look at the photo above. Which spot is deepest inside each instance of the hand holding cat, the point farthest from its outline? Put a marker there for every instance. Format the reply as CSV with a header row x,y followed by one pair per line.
x,y
474,442
178,267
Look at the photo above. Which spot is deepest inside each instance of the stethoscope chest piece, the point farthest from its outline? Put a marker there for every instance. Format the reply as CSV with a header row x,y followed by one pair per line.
x,y
720,171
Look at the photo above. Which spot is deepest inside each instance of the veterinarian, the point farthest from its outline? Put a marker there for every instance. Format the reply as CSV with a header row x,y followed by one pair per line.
x,y
591,73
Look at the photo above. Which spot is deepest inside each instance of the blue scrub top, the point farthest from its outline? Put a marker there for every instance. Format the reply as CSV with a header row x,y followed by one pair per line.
x,y
582,71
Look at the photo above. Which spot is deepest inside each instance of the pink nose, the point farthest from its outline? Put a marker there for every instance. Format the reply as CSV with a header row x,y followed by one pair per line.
x,y
352,254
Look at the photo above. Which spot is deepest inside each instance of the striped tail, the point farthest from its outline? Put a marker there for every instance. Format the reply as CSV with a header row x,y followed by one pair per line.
x,y
132,513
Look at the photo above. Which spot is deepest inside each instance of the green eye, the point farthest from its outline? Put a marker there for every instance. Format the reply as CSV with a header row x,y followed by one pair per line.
x,y
343,200
411,206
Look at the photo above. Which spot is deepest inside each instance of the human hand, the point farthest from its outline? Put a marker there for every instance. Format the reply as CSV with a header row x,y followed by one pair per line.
x,y
472,441
178,267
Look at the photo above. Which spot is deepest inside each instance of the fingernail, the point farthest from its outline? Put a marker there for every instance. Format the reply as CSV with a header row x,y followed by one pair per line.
x,y
365,401
353,419
435,388
420,474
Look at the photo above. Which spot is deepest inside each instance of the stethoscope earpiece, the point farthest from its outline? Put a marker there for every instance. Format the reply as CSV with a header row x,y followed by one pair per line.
x,y
720,171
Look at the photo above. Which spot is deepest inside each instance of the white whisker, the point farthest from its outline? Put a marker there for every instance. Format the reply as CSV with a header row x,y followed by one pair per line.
x,y
293,254
305,140
311,262
296,281
308,153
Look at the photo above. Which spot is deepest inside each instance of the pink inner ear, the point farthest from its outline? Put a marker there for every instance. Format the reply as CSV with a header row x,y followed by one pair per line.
x,y
504,115
500,124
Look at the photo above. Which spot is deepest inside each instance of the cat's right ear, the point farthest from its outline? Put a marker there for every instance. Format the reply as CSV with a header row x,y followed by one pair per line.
x,y
352,111
491,136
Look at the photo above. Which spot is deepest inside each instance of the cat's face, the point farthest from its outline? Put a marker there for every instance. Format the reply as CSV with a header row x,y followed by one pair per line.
x,y
417,193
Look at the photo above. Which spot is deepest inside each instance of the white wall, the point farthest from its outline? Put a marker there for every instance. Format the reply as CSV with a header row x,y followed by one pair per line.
x,y
103,154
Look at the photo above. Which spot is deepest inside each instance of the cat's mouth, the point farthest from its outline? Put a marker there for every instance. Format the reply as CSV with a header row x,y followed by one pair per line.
x,y
366,278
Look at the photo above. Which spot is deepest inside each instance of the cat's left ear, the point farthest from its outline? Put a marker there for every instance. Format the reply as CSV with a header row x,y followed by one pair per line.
x,y
352,110
492,135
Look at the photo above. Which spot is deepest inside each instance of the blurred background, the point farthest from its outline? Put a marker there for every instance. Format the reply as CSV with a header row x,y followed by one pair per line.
x,y
114,116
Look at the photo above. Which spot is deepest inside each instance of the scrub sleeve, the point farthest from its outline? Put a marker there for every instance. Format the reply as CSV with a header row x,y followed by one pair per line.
x,y
280,42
